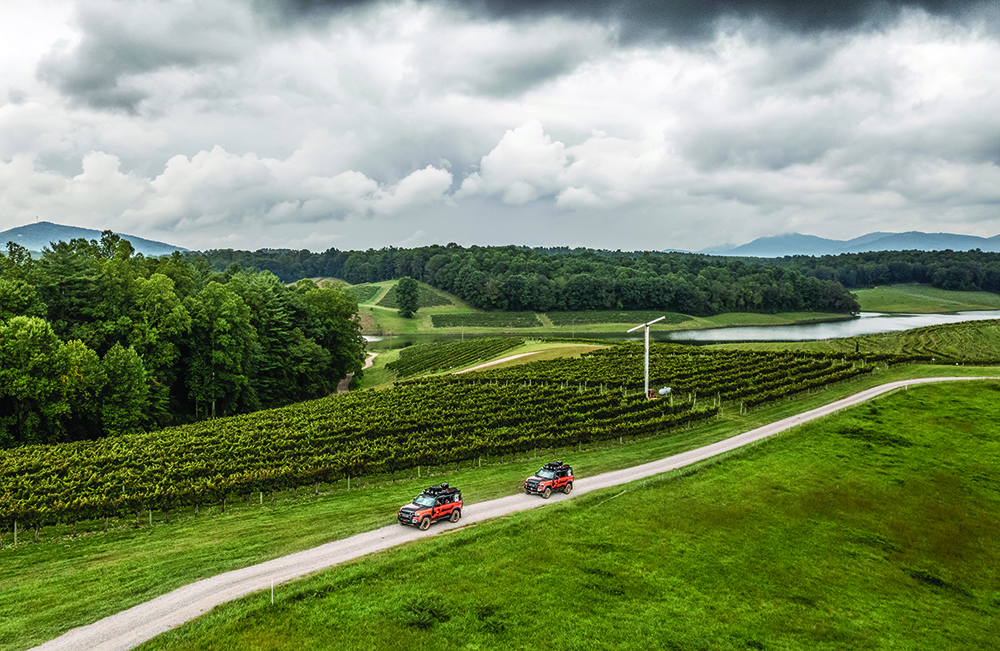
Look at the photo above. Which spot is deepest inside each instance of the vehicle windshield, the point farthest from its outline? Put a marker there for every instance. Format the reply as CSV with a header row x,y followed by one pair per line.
x,y
545,474
423,500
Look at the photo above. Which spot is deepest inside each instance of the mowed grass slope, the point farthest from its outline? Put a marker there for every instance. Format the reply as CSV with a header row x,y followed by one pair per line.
x,y
923,299
877,528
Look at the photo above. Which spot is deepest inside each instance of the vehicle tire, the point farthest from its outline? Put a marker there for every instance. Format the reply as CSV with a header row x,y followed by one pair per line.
x,y
547,493
455,515
425,524
568,488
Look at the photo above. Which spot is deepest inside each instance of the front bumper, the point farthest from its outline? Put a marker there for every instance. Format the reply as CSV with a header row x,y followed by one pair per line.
x,y
408,518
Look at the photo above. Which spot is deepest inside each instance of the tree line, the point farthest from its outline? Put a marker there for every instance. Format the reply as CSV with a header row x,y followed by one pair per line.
x,y
96,340
957,270
520,279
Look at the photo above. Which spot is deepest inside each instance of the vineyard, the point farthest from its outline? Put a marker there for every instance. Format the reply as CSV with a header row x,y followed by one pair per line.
x,y
487,320
598,317
747,378
426,297
424,358
364,293
436,421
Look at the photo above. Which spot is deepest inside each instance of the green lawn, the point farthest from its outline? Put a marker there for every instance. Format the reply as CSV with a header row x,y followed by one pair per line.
x,y
64,582
877,528
923,299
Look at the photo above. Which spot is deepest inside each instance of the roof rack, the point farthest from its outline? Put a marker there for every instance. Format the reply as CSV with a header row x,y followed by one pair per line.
x,y
554,465
441,489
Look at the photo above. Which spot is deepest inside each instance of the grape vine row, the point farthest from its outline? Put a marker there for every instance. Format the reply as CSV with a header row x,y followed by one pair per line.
x,y
424,358
432,421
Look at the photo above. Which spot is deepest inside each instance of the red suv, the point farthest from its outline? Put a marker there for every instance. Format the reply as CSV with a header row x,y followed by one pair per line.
x,y
554,476
433,504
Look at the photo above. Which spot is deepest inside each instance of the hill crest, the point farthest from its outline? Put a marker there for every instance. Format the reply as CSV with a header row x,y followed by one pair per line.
x,y
39,235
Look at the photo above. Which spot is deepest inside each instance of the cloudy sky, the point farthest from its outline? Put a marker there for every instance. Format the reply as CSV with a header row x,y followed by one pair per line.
x,y
639,124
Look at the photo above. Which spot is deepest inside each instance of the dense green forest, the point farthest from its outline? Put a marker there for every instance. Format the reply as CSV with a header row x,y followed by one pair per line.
x,y
520,279
95,340
959,270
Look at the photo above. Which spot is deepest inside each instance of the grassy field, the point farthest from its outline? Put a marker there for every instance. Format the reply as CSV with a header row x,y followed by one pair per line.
x,y
378,319
923,299
877,528
386,321
967,341
64,582
378,376
427,297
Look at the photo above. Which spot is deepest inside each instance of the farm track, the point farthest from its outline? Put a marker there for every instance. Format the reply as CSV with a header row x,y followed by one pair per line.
x,y
345,385
495,362
130,628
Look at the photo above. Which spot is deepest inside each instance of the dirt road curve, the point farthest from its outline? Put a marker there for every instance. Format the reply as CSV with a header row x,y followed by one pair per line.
x,y
135,625
494,362
345,385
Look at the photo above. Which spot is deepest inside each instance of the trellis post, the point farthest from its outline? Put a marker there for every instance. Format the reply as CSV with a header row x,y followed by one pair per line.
x,y
645,327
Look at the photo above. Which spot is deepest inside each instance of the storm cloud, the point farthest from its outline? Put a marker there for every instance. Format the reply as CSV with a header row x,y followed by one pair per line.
x,y
685,19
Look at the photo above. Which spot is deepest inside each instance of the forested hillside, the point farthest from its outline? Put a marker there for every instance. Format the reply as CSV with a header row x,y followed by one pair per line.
x,y
957,270
519,279
95,339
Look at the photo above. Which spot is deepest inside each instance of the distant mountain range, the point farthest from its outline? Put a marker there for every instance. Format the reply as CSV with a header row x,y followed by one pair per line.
x,y
797,244
39,235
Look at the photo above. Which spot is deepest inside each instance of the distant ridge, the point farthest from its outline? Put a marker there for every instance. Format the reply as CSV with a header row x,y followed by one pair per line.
x,y
778,246
37,236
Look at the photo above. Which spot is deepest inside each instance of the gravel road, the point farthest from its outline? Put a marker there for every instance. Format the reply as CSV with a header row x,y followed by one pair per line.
x,y
140,623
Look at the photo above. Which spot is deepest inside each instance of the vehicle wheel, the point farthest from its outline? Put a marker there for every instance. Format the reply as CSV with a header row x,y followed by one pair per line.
x,y
568,488
455,515
547,493
425,524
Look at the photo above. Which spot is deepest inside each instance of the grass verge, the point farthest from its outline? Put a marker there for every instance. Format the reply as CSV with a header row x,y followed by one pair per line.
x,y
877,528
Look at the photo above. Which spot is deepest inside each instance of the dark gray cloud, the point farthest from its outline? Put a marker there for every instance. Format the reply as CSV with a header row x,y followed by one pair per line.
x,y
644,19
120,41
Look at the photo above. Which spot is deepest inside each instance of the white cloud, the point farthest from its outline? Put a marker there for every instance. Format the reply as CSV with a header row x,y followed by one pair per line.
x,y
525,165
428,185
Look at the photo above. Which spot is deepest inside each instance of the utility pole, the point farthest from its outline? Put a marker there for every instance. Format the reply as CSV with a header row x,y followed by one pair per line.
x,y
645,327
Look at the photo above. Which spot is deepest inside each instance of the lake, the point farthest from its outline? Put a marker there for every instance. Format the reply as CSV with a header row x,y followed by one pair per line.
x,y
867,323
